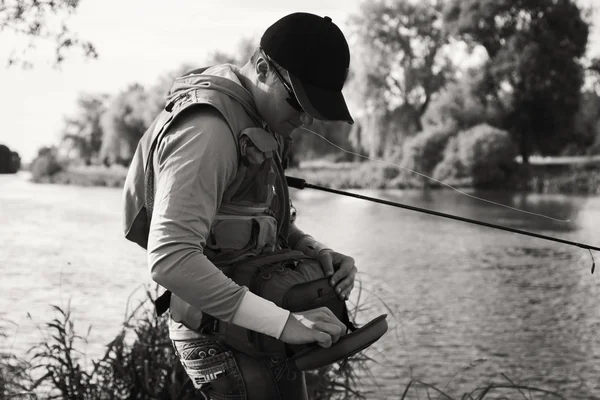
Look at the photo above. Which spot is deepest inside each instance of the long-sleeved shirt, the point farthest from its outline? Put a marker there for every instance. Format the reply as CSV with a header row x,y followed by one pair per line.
x,y
194,164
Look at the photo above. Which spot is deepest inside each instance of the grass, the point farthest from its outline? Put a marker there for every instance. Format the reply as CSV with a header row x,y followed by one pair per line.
x,y
139,363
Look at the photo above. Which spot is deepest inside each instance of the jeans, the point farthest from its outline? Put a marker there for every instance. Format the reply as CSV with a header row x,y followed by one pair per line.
x,y
221,373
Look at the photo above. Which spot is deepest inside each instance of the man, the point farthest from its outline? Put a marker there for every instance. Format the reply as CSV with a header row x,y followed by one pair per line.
x,y
218,193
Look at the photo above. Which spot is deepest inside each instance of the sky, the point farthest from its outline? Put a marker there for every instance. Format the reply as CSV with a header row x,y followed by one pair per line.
x,y
138,41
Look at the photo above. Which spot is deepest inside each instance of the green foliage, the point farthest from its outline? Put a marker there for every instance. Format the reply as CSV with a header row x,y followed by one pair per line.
x,y
45,165
483,154
10,161
535,53
423,152
30,19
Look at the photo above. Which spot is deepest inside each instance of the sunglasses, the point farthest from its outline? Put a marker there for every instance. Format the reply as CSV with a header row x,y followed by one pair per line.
x,y
291,99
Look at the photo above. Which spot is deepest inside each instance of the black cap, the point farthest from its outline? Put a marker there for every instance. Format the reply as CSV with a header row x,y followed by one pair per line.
x,y
316,56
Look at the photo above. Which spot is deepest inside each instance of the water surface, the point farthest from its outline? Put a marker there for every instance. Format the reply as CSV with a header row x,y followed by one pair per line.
x,y
465,303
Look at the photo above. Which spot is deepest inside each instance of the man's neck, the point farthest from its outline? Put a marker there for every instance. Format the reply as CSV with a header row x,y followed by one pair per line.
x,y
248,84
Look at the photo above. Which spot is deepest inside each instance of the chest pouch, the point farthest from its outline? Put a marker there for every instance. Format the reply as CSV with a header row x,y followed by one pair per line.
x,y
295,282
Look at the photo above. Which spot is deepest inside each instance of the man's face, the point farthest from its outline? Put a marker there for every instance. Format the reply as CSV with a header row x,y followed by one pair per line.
x,y
274,108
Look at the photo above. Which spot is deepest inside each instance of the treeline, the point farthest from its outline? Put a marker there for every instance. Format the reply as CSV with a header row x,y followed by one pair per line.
x,y
528,89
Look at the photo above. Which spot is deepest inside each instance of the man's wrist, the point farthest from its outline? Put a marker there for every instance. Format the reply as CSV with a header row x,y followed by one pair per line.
x,y
309,246
261,315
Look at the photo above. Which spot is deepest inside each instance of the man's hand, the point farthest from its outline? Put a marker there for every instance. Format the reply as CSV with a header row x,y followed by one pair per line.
x,y
345,271
317,325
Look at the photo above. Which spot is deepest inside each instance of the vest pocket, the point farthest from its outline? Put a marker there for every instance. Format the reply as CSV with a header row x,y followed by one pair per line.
x,y
256,177
231,232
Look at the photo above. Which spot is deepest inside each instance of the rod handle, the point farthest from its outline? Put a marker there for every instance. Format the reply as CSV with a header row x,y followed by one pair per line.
x,y
297,183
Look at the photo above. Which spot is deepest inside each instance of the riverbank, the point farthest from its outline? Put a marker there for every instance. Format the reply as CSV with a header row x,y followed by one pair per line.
x,y
541,176
139,363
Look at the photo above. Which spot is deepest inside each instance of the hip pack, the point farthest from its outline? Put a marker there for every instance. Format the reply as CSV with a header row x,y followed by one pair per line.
x,y
291,280
295,282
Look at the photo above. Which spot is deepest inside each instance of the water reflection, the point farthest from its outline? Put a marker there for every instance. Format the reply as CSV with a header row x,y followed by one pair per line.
x,y
562,210
465,303
531,314
471,302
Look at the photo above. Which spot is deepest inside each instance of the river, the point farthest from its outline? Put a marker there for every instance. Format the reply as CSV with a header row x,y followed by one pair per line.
x,y
465,303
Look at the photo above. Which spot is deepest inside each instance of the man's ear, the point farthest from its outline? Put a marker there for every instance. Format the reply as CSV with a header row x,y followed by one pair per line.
x,y
262,69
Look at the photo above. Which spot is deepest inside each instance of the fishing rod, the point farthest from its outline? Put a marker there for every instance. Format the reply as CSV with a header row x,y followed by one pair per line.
x,y
299,183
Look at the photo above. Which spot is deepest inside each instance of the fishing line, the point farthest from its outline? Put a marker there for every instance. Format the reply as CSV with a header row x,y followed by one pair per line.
x,y
435,180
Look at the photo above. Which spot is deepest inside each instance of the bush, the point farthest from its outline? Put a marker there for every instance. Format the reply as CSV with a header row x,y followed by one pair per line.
x,y
347,175
45,165
10,162
450,168
424,151
483,154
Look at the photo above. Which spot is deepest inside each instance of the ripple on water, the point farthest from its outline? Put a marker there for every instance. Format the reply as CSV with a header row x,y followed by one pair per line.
x,y
455,293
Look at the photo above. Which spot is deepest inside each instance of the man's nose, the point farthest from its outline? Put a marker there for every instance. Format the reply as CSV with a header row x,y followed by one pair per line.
x,y
306,119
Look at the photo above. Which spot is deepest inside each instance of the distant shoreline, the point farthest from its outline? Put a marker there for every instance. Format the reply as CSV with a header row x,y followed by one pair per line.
x,y
547,175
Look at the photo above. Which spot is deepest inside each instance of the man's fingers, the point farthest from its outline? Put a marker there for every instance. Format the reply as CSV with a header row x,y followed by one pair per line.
x,y
326,263
346,288
347,268
329,317
345,283
333,330
323,339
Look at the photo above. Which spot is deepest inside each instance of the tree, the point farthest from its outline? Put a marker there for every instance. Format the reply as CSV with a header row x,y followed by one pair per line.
x,y
398,62
83,132
33,20
464,103
586,137
131,112
534,68
593,74
239,57
127,117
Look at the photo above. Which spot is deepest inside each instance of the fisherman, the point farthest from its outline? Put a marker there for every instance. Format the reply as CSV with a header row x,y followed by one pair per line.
x,y
213,160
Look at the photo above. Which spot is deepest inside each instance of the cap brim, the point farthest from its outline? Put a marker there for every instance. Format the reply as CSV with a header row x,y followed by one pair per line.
x,y
319,103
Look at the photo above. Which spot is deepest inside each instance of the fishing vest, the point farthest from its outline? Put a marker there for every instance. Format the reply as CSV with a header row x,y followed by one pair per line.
x,y
248,236
254,214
